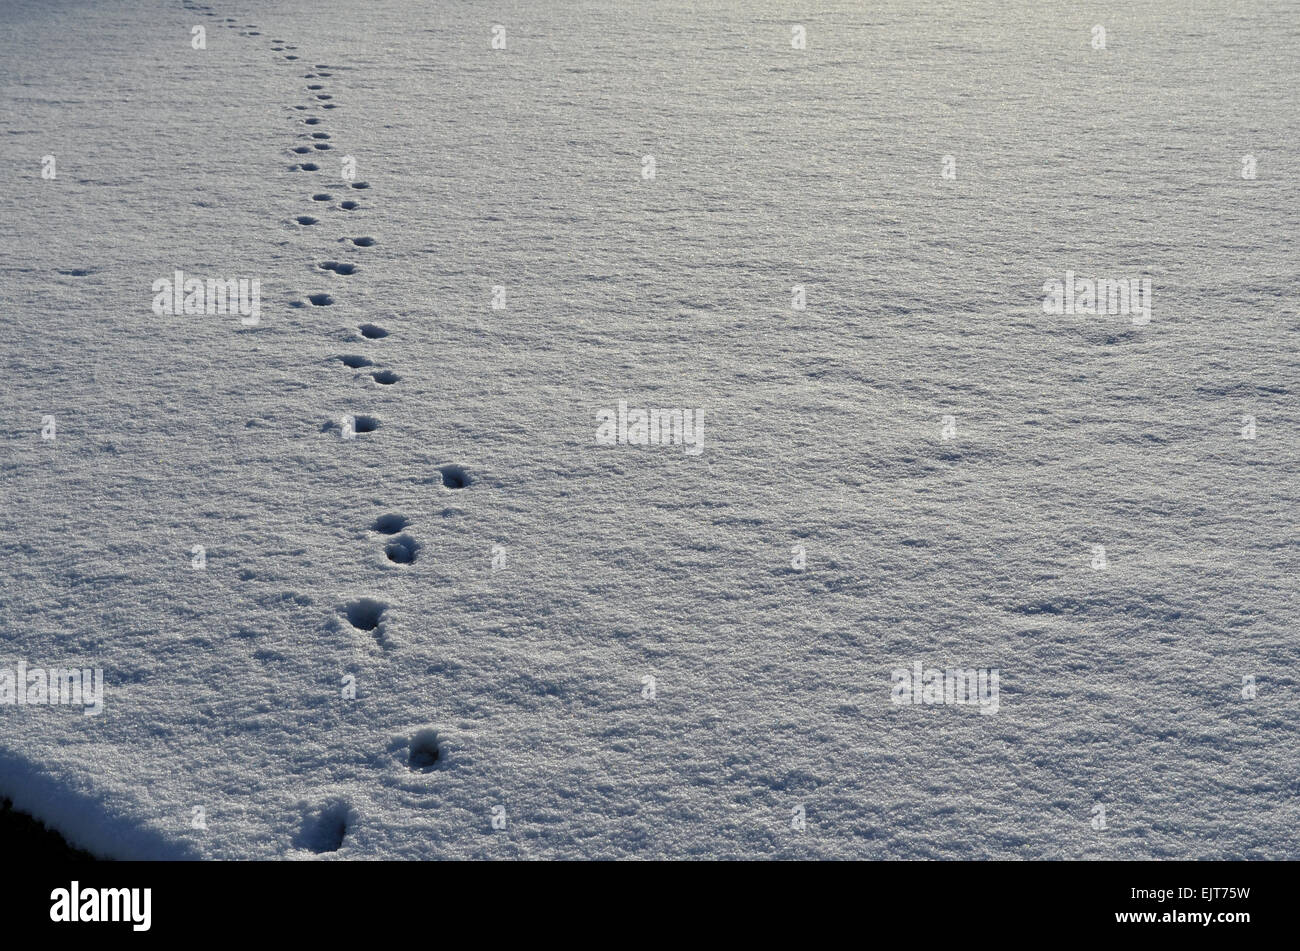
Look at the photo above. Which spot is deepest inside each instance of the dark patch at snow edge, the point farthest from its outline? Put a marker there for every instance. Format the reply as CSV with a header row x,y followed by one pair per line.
x,y
30,839
81,820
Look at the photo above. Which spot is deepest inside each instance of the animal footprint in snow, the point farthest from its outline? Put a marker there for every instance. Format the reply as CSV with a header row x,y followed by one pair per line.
x,y
349,426
390,524
325,830
306,220
350,205
323,196
455,477
402,549
425,751
386,377
359,424
372,331
365,614
355,361
338,267
320,300
363,242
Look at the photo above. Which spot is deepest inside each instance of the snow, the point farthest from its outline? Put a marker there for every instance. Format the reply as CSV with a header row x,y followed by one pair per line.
x,y
501,671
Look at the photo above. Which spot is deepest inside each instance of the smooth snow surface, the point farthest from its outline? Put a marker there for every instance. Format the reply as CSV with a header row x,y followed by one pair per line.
x,y
500,586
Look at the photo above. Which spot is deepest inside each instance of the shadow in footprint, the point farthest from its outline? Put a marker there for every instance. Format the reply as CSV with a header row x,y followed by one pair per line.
x,y
386,377
323,196
363,242
320,300
360,184
350,205
365,614
325,830
455,477
306,220
402,549
372,331
355,361
425,751
350,424
338,267
390,524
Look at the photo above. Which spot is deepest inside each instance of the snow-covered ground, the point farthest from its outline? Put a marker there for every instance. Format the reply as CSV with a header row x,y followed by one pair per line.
x,y
647,651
